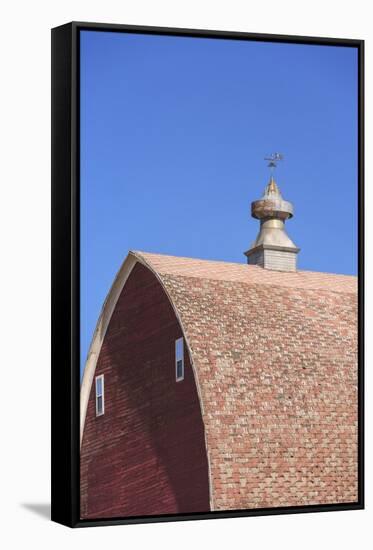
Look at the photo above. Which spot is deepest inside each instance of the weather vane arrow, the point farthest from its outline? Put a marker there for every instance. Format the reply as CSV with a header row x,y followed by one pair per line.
x,y
273,159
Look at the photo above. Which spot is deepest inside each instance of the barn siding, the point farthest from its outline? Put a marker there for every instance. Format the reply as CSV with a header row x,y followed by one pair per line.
x,y
146,455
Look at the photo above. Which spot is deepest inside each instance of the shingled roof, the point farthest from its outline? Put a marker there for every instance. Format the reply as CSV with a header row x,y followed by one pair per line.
x,y
275,360
275,357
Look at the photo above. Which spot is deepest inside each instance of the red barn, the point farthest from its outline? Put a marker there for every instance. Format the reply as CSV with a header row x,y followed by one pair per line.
x,y
221,386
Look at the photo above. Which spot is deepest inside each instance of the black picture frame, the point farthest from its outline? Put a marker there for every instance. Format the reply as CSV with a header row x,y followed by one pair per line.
x,y
65,271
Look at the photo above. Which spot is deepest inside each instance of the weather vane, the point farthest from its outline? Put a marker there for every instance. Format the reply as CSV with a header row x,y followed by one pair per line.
x,y
273,160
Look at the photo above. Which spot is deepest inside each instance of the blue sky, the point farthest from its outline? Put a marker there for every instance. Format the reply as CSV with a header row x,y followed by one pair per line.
x,y
173,135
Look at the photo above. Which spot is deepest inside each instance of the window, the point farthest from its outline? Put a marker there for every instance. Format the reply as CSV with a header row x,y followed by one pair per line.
x,y
179,359
99,395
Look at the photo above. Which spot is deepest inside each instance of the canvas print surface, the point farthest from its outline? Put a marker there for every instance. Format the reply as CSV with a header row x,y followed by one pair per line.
x,y
218,235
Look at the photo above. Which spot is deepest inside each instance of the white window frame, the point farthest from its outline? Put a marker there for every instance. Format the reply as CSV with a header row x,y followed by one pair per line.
x,y
179,357
100,377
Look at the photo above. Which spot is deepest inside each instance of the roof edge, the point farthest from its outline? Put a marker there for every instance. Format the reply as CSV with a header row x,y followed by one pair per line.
x,y
100,332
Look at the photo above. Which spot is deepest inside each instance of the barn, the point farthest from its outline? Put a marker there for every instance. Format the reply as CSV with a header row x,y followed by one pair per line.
x,y
221,386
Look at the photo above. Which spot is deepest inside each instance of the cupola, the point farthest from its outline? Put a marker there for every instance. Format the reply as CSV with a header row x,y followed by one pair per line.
x,y
273,248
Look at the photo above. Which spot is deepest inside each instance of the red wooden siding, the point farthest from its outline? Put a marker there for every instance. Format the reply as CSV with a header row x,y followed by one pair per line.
x,y
146,455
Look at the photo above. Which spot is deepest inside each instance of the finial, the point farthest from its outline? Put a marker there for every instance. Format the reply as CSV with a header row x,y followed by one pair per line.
x,y
273,159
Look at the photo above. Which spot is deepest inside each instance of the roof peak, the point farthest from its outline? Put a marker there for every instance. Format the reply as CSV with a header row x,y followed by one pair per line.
x,y
178,263
272,188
